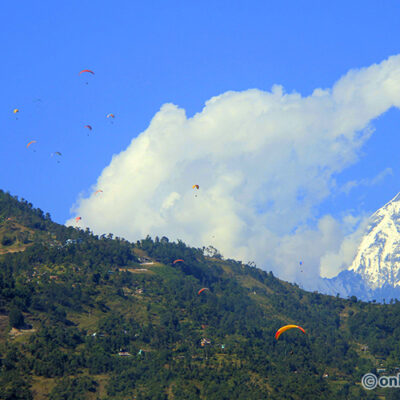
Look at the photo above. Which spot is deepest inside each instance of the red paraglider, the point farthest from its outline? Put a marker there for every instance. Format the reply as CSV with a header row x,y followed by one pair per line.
x,y
86,70
202,290
178,261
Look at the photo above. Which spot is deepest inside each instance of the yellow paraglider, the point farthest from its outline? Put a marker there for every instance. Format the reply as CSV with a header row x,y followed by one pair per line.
x,y
285,328
16,110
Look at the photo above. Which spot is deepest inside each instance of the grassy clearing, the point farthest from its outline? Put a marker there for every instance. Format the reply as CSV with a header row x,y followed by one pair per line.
x,y
41,387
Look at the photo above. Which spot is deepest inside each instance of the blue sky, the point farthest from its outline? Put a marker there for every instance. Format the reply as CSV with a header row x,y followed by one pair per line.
x,y
146,54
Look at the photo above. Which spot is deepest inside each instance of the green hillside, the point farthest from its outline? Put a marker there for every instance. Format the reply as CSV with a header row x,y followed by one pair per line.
x,y
88,317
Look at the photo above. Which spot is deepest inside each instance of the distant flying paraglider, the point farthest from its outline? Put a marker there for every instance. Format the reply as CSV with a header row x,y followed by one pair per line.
x,y
285,328
88,127
202,290
111,117
98,191
56,153
179,259
77,219
31,142
89,71
196,187
15,111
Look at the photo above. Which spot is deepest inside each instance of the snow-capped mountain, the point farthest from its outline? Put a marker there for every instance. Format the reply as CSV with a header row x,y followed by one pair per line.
x,y
375,271
378,256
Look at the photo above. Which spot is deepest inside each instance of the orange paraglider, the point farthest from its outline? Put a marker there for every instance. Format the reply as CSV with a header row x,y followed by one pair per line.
x,y
31,142
98,191
179,259
285,328
77,219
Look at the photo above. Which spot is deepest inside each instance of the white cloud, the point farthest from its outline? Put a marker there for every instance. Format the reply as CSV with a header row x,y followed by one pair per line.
x,y
339,257
264,162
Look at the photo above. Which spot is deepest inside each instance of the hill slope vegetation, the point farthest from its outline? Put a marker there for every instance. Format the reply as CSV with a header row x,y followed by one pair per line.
x,y
88,317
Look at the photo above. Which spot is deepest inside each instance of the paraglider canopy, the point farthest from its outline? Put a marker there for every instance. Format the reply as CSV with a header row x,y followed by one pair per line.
x,y
98,191
16,110
285,328
202,290
179,259
58,154
77,219
31,142
110,115
88,126
196,187
86,70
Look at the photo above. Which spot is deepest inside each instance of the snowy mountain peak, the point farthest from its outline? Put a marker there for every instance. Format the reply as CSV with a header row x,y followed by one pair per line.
x,y
378,256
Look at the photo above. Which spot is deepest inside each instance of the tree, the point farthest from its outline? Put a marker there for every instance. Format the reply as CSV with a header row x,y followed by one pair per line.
x,y
7,240
16,319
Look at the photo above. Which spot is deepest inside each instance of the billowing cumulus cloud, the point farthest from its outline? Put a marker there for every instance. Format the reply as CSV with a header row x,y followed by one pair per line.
x,y
264,161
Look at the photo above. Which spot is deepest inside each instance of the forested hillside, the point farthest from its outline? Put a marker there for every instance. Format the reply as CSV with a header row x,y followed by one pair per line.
x,y
88,317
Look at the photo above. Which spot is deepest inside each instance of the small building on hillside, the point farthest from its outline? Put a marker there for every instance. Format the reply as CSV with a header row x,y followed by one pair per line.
x,y
124,354
380,370
144,259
